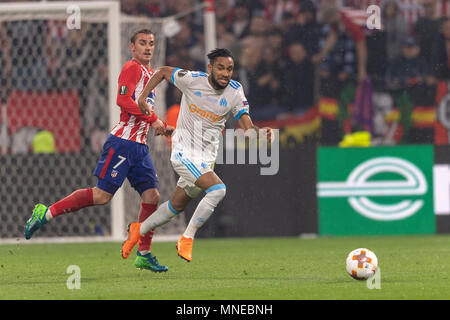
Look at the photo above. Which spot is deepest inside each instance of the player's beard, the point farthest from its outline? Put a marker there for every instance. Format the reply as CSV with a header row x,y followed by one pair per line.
x,y
216,84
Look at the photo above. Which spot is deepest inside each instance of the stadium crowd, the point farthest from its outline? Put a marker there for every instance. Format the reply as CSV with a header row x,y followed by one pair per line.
x,y
289,53
280,45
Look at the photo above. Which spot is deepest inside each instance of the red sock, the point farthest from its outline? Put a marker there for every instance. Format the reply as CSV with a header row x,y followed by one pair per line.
x,y
77,200
146,211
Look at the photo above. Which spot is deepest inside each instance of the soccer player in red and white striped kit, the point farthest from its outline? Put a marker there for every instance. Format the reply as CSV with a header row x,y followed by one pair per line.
x,y
125,153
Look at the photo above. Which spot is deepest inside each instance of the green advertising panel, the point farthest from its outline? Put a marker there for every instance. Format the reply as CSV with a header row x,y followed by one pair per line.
x,y
376,190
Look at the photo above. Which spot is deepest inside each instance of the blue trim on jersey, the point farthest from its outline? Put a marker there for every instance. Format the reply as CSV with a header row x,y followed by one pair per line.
x,y
234,84
195,172
172,209
216,187
198,74
195,168
237,84
239,115
173,74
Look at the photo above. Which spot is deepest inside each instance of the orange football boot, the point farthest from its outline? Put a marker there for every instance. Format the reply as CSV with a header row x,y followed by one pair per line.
x,y
133,238
184,248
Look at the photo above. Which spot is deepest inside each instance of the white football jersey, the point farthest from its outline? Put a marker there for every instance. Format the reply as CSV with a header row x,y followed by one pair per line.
x,y
203,113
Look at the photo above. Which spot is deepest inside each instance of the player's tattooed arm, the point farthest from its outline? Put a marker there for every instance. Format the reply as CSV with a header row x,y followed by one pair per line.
x,y
246,123
164,73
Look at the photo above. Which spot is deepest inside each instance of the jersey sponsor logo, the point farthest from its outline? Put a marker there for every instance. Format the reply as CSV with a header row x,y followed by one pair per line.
x,y
204,114
212,100
224,102
123,90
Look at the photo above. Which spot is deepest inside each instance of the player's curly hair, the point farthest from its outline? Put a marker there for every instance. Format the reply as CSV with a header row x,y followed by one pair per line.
x,y
135,34
219,52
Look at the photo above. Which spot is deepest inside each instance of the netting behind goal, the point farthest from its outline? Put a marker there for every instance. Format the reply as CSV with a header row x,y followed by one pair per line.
x,y
56,94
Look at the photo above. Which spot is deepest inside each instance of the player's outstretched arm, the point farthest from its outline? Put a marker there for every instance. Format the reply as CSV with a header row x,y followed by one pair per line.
x,y
245,122
164,73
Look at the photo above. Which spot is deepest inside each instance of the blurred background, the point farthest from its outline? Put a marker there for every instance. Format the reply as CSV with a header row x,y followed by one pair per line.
x,y
315,70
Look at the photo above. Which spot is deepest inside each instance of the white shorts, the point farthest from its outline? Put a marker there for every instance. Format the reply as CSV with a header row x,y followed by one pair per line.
x,y
189,171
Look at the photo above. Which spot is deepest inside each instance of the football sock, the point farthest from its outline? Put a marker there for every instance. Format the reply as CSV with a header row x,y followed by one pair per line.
x,y
205,208
164,214
146,240
77,200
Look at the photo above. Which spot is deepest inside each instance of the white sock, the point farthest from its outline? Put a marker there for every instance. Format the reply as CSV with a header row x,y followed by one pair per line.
x,y
48,215
205,208
161,216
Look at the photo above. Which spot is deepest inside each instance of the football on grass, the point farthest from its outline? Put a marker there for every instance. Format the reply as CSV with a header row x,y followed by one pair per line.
x,y
361,264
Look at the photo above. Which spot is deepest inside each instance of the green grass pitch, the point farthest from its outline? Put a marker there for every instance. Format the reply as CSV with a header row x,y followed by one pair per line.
x,y
412,267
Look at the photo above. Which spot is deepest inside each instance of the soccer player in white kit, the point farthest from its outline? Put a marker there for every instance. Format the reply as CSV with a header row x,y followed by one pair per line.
x,y
207,102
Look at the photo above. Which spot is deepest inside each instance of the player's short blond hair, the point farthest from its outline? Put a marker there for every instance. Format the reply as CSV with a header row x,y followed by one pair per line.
x,y
143,31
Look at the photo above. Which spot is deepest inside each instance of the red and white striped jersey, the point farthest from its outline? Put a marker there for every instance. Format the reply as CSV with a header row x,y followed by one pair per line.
x,y
133,124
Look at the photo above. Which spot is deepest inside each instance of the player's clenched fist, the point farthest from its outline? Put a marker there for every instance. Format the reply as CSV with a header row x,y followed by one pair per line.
x,y
161,129
158,127
168,131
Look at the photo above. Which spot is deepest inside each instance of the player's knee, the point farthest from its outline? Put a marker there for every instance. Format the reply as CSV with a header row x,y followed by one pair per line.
x,y
216,193
101,197
221,193
151,196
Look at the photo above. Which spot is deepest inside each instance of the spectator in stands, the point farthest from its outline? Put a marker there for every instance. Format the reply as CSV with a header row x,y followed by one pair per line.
x,y
427,27
440,58
287,23
95,124
182,40
298,80
275,10
306,30
396,29
5,62
168,8
341,22
225,39
377,62
268,73
150,8
259,28
263,85
29,68
409,69
339,65
249,59
222,10
240,24
70,57
129,7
